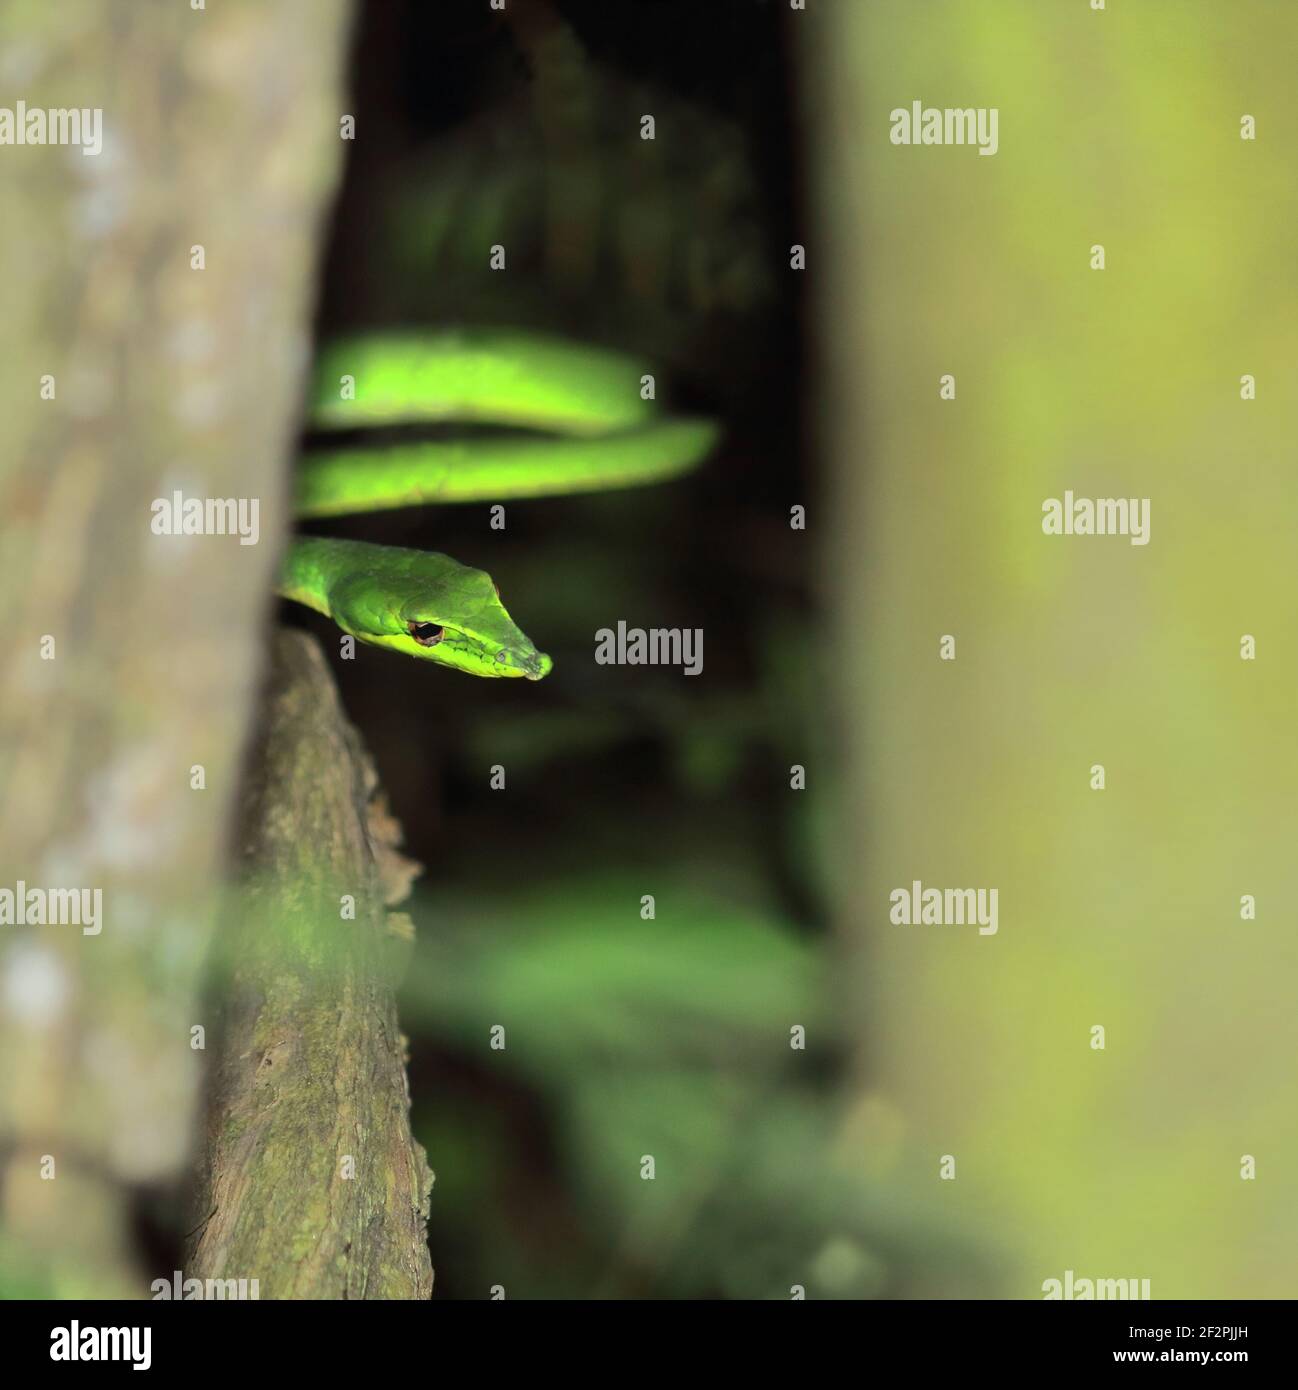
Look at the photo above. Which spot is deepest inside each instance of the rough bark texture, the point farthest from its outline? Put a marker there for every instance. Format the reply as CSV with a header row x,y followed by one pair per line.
x,y
312,1183
131,658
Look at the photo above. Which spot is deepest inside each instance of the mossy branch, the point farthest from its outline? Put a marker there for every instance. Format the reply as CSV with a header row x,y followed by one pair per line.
x,y
311,1181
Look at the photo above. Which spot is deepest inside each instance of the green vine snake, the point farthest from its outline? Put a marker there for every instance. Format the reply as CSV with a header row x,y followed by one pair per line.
x,y
592,430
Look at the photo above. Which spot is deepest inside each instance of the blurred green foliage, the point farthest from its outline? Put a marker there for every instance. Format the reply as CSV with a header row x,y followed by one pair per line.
x,y
629,1037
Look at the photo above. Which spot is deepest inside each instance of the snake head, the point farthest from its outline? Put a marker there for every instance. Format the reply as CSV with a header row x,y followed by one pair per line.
x,y
476,650
432,608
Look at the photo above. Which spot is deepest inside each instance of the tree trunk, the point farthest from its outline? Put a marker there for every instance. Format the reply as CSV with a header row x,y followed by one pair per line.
x,y
136,365
311,1181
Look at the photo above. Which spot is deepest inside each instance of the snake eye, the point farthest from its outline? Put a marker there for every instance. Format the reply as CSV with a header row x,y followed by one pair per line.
x,y
426,634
